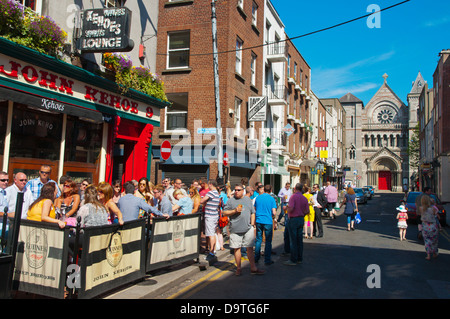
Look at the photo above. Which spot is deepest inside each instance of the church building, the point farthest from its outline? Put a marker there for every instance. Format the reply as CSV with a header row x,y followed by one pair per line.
x,y
377,136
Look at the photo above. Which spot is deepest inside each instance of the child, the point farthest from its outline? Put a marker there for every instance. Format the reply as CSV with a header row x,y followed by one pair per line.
x,y
402,216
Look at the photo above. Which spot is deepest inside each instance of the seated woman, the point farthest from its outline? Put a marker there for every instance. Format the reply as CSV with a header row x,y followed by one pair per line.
x,y
69,202
105,194
93,213
42,209
184,205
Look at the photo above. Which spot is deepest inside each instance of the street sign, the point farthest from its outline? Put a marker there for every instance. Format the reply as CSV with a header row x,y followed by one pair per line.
x,y
268,142
288,129
321,144
207,130
226,160
166,150
257,108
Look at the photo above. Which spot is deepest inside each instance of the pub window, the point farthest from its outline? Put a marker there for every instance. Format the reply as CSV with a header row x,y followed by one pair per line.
x,y
35,134
239,44
177,114
34,5
83,141
178,49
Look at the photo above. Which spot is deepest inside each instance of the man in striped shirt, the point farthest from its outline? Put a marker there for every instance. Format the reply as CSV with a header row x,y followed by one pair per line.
x,y
211,202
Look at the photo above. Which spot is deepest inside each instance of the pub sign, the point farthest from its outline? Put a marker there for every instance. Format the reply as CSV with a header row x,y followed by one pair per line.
x,y
106,30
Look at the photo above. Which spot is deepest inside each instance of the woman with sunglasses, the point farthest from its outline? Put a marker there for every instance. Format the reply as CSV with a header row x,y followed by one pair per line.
x,y
69,201
143,191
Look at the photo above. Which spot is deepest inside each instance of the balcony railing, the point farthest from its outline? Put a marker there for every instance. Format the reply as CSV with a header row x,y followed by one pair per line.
x,y
276,94
277,51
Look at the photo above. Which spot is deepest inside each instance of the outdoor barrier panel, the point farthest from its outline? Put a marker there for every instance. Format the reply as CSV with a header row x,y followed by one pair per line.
x,y
41,259
112,256
174,240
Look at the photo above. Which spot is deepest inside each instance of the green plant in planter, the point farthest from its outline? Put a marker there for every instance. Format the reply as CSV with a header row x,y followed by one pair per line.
x,y
128,76
23,26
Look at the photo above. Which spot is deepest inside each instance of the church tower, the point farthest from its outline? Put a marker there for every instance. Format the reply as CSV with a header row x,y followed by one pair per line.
x,y
413,107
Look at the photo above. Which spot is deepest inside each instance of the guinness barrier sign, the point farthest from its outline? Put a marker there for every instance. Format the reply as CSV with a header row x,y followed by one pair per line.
x,y
106,30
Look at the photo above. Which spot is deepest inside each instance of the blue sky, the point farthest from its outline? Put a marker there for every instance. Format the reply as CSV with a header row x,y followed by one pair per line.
x,y
353,58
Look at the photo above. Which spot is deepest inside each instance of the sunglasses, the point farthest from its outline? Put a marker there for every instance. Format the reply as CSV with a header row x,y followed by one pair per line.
x,y
23,180
238,189
4,180
43,172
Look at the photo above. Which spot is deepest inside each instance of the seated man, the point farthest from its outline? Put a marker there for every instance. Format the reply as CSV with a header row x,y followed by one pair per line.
x,y
130,205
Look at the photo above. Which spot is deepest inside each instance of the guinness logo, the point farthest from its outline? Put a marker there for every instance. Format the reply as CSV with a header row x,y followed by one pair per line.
x,y
178,234
36,248
114,252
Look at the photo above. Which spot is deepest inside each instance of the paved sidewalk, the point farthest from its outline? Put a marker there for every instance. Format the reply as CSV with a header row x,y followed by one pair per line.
x,y
158,281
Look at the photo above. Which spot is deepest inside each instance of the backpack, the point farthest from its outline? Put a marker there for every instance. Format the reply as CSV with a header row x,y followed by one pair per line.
x,y
223,220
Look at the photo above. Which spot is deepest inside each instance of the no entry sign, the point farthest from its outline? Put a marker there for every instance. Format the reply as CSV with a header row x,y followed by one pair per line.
x,y
226,160
166,149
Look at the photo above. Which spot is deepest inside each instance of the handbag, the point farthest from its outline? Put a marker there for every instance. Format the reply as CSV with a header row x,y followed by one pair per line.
x,y
358,218
223,220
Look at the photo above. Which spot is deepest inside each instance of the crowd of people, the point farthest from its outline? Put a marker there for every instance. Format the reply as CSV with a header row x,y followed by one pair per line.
x,y
251,210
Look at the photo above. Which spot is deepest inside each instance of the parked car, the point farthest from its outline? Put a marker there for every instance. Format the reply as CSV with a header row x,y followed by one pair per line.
x,y
361,196
367,191
410,204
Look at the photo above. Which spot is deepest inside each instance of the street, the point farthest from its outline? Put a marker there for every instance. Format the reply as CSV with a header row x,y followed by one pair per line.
x,y
370,262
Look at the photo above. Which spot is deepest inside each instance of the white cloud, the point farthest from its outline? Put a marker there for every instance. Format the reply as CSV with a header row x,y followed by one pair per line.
x,y
335,82
437,22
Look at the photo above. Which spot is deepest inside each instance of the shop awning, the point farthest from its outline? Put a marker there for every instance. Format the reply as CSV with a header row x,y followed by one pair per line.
x,y
49,105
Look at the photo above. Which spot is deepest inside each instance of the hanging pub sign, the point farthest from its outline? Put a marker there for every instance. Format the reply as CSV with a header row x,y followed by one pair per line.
x,y
106,30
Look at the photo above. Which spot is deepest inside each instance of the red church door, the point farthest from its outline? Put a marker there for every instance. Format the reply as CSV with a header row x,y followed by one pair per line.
x,y
384,180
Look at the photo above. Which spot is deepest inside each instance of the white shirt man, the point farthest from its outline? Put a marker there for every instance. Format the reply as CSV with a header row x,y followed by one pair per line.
x,y
20,180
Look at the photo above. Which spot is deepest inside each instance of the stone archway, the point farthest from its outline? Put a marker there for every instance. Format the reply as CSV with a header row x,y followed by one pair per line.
x,y
384,172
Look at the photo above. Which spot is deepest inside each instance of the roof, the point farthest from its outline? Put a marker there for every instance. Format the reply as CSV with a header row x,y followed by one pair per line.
x,y
417,85
349,98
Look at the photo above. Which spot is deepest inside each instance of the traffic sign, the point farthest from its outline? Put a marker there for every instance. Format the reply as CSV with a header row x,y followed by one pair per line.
x,y
226,160
207,130
166,150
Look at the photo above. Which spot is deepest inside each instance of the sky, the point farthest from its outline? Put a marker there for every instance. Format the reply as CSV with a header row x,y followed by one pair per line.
x,y
354,57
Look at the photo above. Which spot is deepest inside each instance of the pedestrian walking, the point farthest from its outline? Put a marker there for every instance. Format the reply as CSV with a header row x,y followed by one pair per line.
x,y
265,214
241,211
430,228
351,208
309,218
211,202
402,216
332,197
284,194
318,227
297,208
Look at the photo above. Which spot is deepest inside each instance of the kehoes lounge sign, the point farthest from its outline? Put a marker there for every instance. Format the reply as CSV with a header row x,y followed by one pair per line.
x,y
106,30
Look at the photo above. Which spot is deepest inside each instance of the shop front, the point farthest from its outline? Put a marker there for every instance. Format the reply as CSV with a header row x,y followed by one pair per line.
x,y
78,123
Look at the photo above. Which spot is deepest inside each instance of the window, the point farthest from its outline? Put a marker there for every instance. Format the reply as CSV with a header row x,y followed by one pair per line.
x,y
254,13
178,49
35,134
34,5
83,141
176,115
288,65
295,71
253,69
237,116
239,44
240,4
